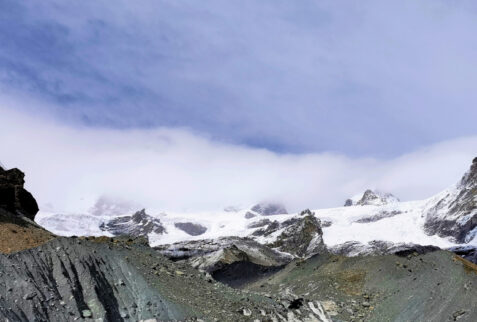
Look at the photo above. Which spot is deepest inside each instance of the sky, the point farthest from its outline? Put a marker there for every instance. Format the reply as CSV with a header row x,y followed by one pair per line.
x,y
219,102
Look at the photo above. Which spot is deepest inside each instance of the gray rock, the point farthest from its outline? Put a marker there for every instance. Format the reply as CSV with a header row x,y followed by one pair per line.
x,y
192,229
379,247
210,255
259,223
379,216
83,279
86,313
302,237
139,224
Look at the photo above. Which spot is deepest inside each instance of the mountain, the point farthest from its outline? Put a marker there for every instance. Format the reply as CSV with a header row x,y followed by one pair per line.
x,y
371,198
289,267
445,220
44,277
138,224
453,213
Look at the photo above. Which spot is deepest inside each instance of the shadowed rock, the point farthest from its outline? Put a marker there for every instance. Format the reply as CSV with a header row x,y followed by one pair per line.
x,y
13,197
191,228
379,216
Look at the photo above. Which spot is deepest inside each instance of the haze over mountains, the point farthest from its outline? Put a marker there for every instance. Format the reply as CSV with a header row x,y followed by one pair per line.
x,y
447,219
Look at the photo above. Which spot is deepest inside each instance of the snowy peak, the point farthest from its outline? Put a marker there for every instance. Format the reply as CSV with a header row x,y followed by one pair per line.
x,y
139,224
371,198
454,212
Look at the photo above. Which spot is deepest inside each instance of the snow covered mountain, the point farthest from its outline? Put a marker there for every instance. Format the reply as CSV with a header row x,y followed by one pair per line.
x,y
373,218
454,212
371,198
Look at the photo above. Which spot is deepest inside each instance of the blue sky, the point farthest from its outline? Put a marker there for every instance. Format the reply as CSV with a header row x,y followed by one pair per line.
x,y
364,79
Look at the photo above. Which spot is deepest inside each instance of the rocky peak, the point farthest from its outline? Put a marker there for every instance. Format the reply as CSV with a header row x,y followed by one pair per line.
x,y
470,178
371,197
139,224
302,237
455,214
13,197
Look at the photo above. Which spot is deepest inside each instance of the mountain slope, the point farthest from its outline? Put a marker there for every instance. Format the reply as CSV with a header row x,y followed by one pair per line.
x,y
454,212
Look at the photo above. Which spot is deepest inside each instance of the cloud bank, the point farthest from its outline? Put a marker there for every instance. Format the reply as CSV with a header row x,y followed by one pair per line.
x,y
365,78
68,168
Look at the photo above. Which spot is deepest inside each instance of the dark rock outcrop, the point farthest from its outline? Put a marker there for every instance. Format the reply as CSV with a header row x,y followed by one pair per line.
x,y
302,237
139,224
467,252
13,197
191,228
455,214
379,216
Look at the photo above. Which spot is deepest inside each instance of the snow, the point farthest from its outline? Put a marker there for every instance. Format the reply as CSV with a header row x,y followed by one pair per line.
x,y
405,227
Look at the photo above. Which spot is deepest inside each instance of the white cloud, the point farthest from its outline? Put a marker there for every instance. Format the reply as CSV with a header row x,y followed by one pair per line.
x,y
369,77
173,169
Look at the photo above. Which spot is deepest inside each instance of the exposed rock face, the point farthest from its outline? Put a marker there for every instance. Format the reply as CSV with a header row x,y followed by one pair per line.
x,y
139,224
269,209
455,214
376,198
13,197
67,279
379,247
191,228
302,237
380,215
211,255
115,279
259,223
